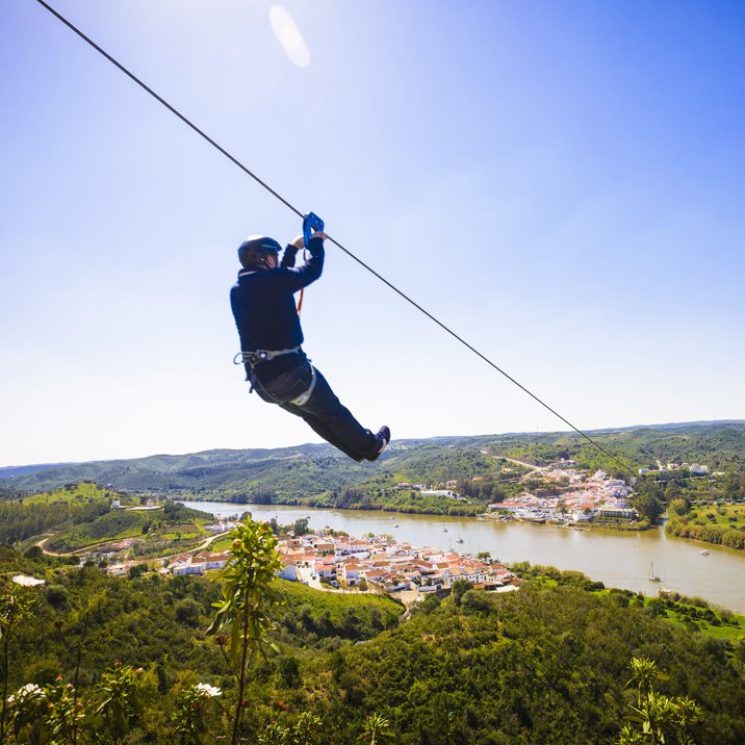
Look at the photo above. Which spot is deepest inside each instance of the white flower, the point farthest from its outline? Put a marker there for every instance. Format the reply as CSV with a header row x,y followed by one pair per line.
x,y
25,581
205,689
30,690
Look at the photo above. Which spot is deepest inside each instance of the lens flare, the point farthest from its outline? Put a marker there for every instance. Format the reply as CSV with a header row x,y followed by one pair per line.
x,y
289,36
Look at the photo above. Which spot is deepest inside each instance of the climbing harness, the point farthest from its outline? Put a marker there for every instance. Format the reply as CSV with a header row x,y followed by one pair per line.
x,y
300,400
256,356
306,218
303,398
311,222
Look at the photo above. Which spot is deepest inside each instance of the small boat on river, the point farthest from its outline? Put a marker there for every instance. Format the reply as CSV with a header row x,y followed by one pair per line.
x,y
652,576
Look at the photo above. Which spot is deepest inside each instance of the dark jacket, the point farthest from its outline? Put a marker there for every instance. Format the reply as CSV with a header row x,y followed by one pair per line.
x,y
263,303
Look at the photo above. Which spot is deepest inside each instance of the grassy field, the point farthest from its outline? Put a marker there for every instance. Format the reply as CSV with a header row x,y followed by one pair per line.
x,y
174,523
186,531
72,494
112,526
724,515
698,615
731,631
721,524
221,544
337,606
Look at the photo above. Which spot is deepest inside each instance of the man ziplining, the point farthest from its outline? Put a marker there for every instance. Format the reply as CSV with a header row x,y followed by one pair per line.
x,y
317,420
271,338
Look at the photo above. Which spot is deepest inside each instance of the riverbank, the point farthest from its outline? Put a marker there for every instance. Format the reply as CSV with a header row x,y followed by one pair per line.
x,y
449,509
561,522
426,504
718,523
616,558
711,534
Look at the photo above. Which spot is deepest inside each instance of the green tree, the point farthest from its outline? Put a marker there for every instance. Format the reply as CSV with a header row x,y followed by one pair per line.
x,y
248,598
188,721
659,720
305,731
289,671
459,589
119,705
64,715
649,505
28,711
644,673
188,612
678,506
16,605
740,653
301,526
375,728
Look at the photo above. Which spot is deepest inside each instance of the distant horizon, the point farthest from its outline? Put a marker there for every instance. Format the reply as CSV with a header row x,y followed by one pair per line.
x,y
597,430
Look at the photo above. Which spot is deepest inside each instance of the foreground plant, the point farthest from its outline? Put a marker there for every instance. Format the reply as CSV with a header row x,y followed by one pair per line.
x,y
244,613
305,731
16,604
658,719
119,705
64,714
28,713
375,728
189,721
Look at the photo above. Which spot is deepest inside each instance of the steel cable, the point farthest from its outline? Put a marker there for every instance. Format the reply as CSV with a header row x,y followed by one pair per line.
x,y
625,467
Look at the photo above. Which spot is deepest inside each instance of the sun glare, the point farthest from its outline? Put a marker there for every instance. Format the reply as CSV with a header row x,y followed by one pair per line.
x,y
289,36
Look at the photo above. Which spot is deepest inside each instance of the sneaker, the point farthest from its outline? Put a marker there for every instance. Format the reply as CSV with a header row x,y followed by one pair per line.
x,y
383,436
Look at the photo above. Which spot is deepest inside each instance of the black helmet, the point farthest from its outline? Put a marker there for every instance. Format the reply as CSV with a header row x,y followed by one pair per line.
x,y
255,248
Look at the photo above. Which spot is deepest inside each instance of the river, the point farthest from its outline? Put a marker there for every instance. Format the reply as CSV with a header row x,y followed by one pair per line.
x,y
619,559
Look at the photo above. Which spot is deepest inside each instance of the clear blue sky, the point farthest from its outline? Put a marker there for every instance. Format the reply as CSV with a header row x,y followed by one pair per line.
x,y
561,182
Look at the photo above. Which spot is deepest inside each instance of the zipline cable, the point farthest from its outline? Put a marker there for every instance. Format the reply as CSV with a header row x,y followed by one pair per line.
x,y
294,209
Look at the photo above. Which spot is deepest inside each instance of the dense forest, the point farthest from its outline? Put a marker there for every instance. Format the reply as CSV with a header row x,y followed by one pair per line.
x,y
149,658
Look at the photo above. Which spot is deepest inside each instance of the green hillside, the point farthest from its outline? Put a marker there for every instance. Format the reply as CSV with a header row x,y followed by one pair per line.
x,y
317,474
550,663
543,665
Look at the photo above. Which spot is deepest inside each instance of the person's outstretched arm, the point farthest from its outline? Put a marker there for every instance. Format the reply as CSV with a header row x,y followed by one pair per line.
x,y
297,278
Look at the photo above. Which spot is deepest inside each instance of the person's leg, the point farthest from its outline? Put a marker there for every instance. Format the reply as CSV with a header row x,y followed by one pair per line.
x,y
323,411
323,430
326,410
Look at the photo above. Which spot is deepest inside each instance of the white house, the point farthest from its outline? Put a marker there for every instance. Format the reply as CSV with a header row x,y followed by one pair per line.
x,y
440,493
213,561
325,570
350,572
618,513
290,572
183,568
581,517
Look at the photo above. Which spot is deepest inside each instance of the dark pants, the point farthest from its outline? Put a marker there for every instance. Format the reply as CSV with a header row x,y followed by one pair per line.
x,y
323,411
